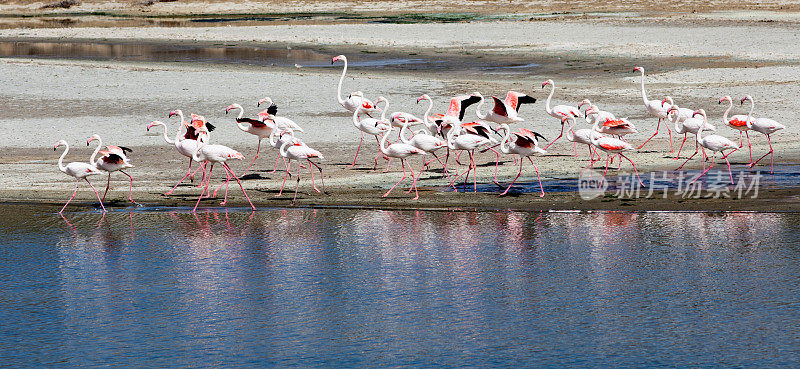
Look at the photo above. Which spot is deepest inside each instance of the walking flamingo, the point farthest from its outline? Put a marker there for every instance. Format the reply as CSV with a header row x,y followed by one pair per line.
x,y
456,140
656,108
607,123
715,143
524,145
370,126
294,149
765,126
689,125
505,111
424,141
737,122
112,159
683,113
581,136
78,170
260,129
613,146
401,151
355,99
213,154
558,111
185,147
280,122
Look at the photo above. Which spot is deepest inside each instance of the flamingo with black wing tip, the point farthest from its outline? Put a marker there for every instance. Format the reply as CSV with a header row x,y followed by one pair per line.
x,y
656,108
558,111
686,126
270,114
77,170
111,159
764,126
524,145
218,154
372,127
255,127
611,145
185,147
504,111
715,143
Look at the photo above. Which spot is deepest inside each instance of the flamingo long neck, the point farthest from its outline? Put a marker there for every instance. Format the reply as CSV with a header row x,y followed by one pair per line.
x,y
679,128
644,93
428,125
478,108
700,130
728,110
505,144
549,97
94,154
384,139
570,132
341,79
272,141
200,144
385,108
242,126
450,139
750,114
355,116
402,134
285,147
61,166
178,136
166,137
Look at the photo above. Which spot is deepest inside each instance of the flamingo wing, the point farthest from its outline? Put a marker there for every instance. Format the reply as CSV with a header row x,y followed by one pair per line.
x,y
500,107
252,122
459,104
112,159
531,134
515,99
272,109
523,140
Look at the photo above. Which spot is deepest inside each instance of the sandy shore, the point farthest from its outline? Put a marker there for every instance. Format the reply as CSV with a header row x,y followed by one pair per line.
x,y
45,100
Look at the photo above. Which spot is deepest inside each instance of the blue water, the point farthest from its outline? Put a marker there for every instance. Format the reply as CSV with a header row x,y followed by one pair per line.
x,y
367,288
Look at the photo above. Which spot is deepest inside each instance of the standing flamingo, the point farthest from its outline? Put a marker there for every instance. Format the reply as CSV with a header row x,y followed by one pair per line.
x,y
113,159
217,154
78,170
185,147
607,123
504,111
355,99
715,143
737,122
656,108
460,140
370,126
260,129
689,125
683,113
400,151
581,136
294,149
558,111
524,145
765,126
424,141
281,123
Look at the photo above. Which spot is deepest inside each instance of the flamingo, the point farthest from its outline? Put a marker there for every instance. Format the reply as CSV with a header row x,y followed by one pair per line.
x,y
612,146
465,142
255,127
185,147
194,127
505,111
281,123
399,119
424,141
690,125
78,170
355,99
370,126
294,149
524,145
765,126
602,114
715,143
213,154
558,111
581,136
113,159
737,122
401,151
656,108
610,124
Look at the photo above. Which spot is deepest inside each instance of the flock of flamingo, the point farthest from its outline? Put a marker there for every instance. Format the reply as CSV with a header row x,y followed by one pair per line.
x,y
449,131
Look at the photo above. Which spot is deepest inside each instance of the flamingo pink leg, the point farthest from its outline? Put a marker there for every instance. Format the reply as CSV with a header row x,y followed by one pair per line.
x,y
651,137
513,181
96,193
357,150
108,184
72,197
189,173
297,186
707,169
254,158
403,163
749,146
202,191
225,165
320,175
770,152
606,171
559,136
687,160
130,189
284,179
634,168
681,148
730,172
227,181
311,169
